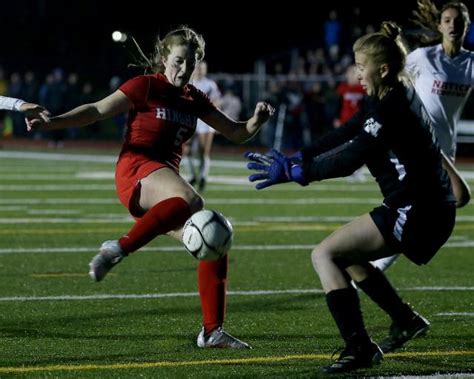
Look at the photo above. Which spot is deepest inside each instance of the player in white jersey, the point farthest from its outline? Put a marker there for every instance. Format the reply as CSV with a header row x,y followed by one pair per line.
x,y
30,110
202,141
443,76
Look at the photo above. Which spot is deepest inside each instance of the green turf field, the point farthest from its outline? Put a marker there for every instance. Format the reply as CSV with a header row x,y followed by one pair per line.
x,y
143,319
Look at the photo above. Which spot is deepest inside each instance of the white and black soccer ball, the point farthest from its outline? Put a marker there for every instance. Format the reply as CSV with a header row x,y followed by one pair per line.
x,y
207,235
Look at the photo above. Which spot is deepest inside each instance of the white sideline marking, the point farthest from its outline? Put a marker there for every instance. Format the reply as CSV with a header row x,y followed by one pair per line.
x,y
469,314
47,250
95,158
195,294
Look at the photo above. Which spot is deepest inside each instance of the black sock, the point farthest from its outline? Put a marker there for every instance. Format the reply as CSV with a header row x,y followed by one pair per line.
x,y
344,306
379,289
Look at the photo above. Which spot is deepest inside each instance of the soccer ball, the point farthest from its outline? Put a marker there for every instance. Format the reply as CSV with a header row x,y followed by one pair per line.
x,y
207,235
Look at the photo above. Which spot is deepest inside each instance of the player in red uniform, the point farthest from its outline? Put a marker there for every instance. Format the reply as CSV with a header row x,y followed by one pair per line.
x,y
163,109
351,95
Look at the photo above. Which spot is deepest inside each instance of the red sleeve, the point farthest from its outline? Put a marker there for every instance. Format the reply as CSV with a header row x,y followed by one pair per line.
x,y
204,104
136,90
341,89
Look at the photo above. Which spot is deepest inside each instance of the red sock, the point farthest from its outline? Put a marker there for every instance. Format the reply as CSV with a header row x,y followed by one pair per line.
x,y
212,282
165,216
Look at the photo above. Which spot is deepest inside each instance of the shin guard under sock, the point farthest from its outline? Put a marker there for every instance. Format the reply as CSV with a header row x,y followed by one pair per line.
x,y
345,309
212,282
379,289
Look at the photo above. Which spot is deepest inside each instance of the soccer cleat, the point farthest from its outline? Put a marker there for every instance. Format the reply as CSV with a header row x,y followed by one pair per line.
x,y
220,338
400,334
110,254
355,357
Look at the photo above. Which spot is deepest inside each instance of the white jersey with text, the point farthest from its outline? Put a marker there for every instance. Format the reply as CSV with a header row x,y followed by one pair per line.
x,y
210,88
443,85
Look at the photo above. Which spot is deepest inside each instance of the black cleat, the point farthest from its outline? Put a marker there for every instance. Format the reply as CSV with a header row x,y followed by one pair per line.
x,y
355,357
202,184
400,334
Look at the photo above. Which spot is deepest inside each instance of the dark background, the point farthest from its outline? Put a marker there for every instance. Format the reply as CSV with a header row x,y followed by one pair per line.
x,y
42,34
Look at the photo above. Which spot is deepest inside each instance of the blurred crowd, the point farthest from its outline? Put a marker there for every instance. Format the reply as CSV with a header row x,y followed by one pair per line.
x,y
59,92
303,84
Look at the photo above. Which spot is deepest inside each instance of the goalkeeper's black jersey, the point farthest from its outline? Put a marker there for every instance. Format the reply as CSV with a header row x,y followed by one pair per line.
x,y
394,138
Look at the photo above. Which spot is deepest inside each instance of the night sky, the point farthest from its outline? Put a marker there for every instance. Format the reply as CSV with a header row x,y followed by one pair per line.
x,y
43,34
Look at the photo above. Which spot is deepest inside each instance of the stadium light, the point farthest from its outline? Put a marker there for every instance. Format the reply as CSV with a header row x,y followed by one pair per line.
x,y
118,36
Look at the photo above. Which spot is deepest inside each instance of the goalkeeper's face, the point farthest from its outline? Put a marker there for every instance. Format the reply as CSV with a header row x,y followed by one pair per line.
x,y
369,75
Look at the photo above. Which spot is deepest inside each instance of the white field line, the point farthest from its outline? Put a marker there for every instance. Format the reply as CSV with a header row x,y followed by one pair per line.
x,y
55,212
56,187
120,218
113,158
223,183
301,201
195,294
290,219
233,183
59,157
61,201
95,158
178,248
54,177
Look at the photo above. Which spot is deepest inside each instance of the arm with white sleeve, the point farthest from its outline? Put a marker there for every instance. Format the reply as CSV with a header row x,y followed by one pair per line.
x,y
30,110
10,103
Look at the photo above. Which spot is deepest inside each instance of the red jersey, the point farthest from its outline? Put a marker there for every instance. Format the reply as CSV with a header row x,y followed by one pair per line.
x,y
163,117
351,96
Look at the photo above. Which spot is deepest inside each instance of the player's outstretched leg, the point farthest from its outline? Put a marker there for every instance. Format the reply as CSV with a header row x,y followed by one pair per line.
x,y
110,254
165,216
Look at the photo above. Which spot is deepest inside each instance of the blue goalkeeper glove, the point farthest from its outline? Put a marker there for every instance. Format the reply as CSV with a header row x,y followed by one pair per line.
x,y
275,168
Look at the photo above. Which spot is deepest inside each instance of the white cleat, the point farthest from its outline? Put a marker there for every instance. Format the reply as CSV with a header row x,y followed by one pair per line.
x,y
221,339
110,254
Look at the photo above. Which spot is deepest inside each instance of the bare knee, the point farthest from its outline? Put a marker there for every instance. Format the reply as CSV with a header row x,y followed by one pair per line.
x,y
319,258
359,273
461,189
463,196
196,203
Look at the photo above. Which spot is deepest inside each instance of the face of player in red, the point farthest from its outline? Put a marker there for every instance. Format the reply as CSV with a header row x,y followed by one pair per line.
x,y
179,64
